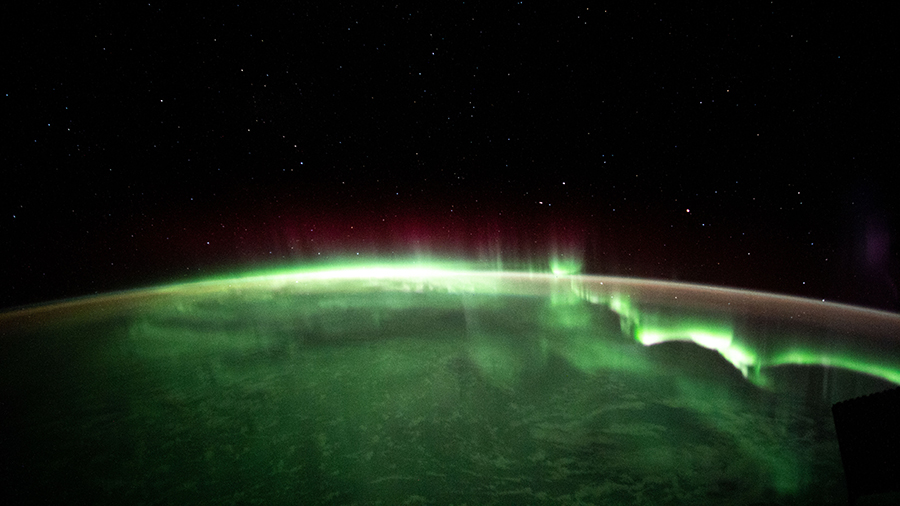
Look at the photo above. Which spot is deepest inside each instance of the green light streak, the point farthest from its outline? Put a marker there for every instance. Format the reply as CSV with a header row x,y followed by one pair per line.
x,y
713,336
751,353
561,265
843,361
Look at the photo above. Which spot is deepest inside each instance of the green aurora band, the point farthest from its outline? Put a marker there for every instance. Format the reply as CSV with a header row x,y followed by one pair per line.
x,y
649,312
513,324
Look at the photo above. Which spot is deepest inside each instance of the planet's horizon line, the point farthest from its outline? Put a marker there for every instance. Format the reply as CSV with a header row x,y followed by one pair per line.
x,y
433,270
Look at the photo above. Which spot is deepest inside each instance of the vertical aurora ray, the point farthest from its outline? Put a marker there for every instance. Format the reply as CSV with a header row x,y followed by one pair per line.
x,y
565,265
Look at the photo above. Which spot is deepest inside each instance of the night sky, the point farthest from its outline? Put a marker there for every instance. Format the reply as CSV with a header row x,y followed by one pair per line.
x,y
750,144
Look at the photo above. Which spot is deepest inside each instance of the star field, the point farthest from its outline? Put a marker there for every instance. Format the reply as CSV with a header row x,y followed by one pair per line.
x,y
740,145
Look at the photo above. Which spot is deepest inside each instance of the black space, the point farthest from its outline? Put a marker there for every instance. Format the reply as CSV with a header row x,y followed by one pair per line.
x,y
157,142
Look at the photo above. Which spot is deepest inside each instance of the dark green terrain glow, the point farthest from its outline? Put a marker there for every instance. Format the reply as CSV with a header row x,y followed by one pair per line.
x,y
435,384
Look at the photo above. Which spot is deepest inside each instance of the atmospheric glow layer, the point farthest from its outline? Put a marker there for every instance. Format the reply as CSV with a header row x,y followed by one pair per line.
x,y
650,312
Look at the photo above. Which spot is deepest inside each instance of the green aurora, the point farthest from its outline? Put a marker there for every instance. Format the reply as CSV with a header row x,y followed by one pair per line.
x,y
649,321
485,382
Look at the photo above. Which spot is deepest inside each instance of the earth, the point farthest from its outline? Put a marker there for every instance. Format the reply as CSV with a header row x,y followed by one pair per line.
x,y
414,385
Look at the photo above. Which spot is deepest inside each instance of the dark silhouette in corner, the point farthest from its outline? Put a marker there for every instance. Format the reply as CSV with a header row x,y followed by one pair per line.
x,y
868,432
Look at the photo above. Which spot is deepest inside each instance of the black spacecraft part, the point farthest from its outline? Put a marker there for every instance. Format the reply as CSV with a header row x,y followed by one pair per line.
x,y
868,432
